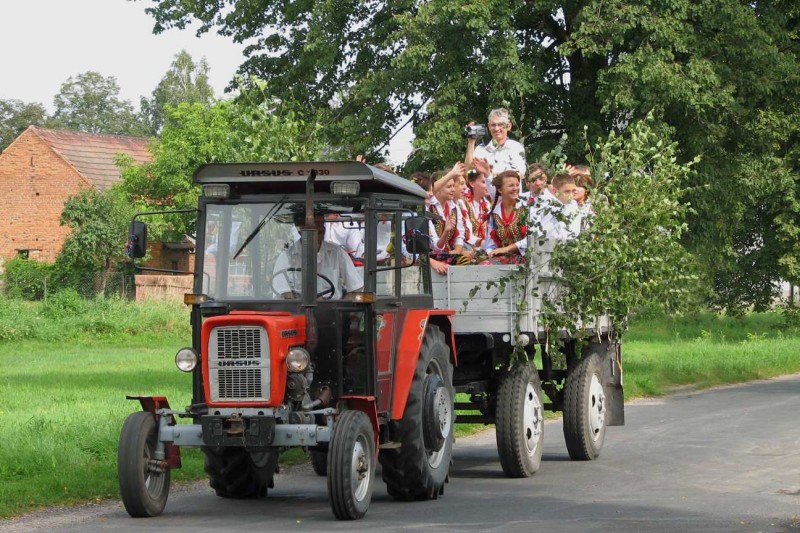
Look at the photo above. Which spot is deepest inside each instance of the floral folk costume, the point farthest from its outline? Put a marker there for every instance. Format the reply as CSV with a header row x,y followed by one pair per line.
x,y
453,238
505,229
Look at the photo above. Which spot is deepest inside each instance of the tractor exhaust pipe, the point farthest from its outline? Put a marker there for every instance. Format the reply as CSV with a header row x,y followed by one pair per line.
x,y
308,237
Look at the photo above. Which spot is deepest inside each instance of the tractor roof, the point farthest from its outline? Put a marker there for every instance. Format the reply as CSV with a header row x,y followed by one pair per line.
x,y
291,177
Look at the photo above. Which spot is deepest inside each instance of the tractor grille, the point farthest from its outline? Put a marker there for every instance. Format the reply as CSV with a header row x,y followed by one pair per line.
x,y
238,363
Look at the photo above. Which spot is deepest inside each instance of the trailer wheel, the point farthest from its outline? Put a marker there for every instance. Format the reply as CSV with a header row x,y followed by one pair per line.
x,y
418,469
143,483
351,471
519,424
585,410
319,462
240,474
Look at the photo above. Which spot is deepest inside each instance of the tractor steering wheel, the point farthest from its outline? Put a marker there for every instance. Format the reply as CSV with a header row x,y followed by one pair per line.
x,y
326,293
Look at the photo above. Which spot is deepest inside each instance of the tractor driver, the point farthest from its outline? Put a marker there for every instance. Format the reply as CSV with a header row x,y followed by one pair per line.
x,y
332,262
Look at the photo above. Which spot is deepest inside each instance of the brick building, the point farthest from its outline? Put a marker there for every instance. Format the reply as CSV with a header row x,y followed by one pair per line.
x,y
40,170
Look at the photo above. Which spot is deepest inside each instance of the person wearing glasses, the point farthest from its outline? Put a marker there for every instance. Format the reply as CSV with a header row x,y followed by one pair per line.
x,y
499,154
536,182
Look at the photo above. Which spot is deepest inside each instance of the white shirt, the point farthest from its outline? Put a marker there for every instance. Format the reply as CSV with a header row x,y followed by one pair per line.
x,y
332,262
553,220
509,156
347,234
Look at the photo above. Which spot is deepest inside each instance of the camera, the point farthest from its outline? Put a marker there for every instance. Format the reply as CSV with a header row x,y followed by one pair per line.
x,y
474,131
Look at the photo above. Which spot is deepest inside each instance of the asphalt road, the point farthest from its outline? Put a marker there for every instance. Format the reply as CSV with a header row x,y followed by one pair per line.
x,y
721,460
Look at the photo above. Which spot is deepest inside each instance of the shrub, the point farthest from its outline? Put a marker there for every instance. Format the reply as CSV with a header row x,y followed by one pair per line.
x,y
26,278
64,303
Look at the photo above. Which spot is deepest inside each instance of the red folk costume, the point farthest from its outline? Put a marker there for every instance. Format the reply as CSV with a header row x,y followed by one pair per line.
x,y
505,229
477,215
445,212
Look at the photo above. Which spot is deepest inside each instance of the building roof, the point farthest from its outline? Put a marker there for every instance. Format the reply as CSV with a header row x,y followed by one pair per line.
x,y
93,156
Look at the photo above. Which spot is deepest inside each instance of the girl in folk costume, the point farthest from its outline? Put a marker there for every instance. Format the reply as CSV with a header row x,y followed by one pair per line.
x,y
425,181
459,197
507,240
447,231
478,207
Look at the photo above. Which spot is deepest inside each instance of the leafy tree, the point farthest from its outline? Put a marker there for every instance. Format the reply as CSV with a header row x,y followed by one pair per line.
x,y
185,82
16,116
630,254
99,221
722,78
90,103
249,129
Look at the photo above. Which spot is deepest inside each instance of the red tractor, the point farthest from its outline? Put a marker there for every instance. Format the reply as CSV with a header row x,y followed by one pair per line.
x,y
288,350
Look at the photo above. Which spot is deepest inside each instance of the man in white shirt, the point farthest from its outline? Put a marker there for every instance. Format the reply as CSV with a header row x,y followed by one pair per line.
x,y
554,215
332,262
348,234
501,153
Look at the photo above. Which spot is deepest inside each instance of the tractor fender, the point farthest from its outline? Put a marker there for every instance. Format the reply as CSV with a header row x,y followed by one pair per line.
x,y
151,404
409,344
367,405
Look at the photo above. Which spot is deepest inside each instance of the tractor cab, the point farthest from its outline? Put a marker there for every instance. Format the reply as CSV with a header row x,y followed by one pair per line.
x,y
264,251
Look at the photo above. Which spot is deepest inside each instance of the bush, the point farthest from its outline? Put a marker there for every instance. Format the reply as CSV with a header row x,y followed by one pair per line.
x,y
64,303
26,278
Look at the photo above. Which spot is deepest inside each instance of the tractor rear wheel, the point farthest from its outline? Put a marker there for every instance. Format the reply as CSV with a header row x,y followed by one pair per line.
x,y
237,473
143,483
351,469
418,469
585,410
519,425
319,461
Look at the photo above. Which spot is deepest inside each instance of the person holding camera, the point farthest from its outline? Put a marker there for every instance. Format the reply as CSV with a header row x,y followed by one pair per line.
x,y
498,155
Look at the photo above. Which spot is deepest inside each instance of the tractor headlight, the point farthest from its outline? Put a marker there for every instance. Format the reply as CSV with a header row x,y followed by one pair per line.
x,y
297,360
186,359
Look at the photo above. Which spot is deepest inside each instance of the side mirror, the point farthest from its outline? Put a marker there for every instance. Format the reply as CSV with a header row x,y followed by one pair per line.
x,y
137,239
417,239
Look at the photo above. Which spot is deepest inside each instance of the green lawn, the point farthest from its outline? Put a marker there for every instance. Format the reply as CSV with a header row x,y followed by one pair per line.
x,y
65,375
705,350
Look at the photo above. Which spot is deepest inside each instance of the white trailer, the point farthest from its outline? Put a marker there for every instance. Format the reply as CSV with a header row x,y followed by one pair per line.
x,y
583,380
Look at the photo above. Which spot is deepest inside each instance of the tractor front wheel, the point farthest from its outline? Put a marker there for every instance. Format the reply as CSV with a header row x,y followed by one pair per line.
x,y
143,481
351,465
418,469
240,474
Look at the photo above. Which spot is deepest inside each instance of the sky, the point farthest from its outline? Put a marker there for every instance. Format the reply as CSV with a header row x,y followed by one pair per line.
x,y
44,42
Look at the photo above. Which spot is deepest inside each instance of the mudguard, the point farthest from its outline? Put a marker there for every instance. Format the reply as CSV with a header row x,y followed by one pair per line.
x,y
410,342
367,405
151,404
610,353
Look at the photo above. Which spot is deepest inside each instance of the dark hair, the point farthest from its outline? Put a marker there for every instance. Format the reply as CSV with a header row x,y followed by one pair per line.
x,y
423,179
472,176
497,181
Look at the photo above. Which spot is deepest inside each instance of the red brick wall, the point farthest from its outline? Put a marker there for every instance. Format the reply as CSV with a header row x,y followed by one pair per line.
x,y
162,257
34,184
